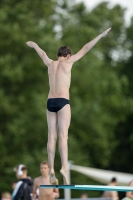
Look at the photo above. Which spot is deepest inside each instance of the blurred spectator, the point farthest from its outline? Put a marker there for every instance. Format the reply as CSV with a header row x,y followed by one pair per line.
x,y
84,196
44,179
14,185
6,196
129,195
111,194
24,187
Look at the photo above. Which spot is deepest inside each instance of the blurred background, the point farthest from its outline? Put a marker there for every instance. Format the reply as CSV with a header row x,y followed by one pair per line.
x,y
101,94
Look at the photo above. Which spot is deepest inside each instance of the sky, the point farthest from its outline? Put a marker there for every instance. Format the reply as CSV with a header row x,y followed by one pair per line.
x,y
124,3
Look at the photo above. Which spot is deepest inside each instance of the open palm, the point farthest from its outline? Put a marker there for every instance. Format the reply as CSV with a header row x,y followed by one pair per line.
x,y
30,43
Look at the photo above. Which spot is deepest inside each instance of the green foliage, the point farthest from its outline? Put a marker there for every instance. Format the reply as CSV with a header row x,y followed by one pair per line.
x,y
124,128
101,90
23,83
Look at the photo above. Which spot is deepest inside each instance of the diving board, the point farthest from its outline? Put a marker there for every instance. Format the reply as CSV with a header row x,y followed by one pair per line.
x,y
91,187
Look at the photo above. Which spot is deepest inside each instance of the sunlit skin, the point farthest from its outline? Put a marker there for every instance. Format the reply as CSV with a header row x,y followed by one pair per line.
x,y
59,72
130,194
111,194
44,193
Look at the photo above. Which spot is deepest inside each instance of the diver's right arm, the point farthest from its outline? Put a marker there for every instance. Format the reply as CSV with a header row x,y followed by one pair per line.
x,y
40,52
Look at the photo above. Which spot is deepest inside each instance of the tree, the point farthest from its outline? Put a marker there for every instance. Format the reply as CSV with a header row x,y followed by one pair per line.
x,y
23,81
124,129
100,89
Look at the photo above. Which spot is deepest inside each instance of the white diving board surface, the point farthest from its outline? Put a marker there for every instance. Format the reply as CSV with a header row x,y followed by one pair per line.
x,y
91,187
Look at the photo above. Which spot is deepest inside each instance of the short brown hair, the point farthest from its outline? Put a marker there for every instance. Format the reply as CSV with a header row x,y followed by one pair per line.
x,y
63,51
44,163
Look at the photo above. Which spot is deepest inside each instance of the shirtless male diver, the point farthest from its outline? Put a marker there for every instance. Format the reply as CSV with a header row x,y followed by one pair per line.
x,y
44,193
58,105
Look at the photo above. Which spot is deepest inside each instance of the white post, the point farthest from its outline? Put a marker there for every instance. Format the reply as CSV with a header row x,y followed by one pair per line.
x,y
67,192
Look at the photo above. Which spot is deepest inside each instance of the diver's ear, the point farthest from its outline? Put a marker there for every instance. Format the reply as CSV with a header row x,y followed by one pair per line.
x,y
69,55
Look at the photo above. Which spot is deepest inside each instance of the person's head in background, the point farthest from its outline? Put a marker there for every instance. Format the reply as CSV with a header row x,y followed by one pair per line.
x,y
21,171
44,168
84,196
113,181
131,183
6,196
14,185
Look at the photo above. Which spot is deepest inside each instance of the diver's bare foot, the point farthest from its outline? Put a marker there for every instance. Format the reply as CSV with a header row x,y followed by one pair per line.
x,y
53,179
65,176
